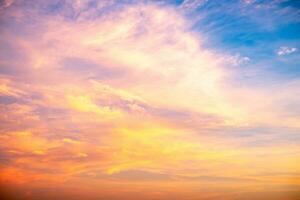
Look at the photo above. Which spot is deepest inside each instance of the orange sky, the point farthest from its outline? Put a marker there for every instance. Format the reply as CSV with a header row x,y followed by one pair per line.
x,y
131,104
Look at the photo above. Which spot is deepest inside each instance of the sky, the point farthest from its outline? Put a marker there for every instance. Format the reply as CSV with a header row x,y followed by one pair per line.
x,y
152,100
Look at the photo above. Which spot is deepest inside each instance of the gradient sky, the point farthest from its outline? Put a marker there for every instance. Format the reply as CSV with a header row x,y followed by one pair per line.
x,y
151,100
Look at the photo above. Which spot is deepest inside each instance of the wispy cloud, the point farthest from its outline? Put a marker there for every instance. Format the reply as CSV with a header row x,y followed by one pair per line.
x,y
192,4
286,50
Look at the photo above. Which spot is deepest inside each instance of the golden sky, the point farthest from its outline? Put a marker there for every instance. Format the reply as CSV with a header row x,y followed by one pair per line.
x,y
115,100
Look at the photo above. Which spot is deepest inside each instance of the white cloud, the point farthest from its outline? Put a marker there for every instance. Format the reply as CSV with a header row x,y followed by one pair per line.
x,y
237,59
248,1
192,4
286,50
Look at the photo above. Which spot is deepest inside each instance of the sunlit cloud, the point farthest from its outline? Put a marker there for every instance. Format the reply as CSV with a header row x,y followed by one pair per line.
x,y
135,97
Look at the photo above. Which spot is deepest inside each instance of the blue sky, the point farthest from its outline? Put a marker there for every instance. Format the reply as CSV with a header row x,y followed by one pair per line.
x,y
255,29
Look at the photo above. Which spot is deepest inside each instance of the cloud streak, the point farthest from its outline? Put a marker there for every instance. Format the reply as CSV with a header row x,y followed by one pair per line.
x,y
286,50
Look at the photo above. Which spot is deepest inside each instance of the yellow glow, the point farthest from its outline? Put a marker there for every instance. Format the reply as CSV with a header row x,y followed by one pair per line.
x,y
134,105
85,104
